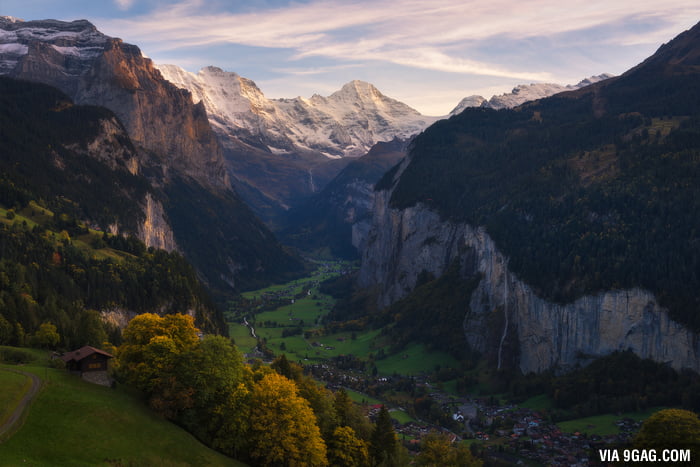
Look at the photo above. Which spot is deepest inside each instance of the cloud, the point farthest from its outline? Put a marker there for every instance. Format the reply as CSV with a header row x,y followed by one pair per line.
x,y
440,35
124,4
315,70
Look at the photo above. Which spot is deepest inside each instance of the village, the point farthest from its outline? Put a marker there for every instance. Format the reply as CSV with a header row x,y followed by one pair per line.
x,y
507,432
493,428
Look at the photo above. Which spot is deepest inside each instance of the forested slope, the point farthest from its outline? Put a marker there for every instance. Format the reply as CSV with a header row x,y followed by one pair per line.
x,y
585,191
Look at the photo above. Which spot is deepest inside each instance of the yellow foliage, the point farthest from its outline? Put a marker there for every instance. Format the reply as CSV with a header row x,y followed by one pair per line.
x,y
346,449
670,428
283,428
150,343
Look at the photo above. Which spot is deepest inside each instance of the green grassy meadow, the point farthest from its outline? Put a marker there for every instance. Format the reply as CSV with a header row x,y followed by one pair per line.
x,y
414,359
360,398
603,425
303,307
540,402
72,422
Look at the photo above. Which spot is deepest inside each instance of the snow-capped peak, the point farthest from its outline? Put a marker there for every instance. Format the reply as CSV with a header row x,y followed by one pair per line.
x,y
346,123
357,90
525,93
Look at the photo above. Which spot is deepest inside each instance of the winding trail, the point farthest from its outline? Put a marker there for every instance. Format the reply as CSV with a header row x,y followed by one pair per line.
x,y
16,416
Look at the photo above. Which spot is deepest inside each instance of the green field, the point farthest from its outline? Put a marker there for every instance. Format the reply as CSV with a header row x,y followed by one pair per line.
x,y
307,309
303,308
360,398
401,416
413,360
540,402
289,290
603,425
241,336
75,423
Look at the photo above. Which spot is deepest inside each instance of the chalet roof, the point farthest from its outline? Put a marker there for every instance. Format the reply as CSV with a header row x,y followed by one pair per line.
x,y
82,353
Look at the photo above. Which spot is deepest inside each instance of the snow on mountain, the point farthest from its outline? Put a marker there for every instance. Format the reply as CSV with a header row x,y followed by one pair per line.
x,y
524,93
471,101
78,39
346,123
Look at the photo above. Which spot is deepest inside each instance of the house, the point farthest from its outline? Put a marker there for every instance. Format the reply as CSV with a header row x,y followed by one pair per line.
x,y
90,363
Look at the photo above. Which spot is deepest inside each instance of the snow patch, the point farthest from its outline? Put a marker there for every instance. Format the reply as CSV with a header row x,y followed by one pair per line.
x,y
14,48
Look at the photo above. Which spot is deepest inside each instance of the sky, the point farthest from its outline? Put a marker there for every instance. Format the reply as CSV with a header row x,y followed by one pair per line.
x,y
428,54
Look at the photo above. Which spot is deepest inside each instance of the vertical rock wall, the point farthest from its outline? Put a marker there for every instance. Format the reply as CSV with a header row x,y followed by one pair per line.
x,y
403,243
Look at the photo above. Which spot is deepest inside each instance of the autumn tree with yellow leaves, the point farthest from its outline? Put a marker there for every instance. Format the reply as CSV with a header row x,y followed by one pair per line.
x,y
253,414
283,427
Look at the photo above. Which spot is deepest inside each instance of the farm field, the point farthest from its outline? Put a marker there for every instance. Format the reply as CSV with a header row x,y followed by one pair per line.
x,y
603,425
413,360
293,327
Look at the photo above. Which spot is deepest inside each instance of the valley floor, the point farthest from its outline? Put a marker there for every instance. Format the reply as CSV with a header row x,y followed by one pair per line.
x,y
287,319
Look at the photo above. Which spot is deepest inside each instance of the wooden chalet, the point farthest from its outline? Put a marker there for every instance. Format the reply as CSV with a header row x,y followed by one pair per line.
x,y
86,359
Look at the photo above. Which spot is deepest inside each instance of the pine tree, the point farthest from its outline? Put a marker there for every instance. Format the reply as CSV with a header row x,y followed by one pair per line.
x,y
383,443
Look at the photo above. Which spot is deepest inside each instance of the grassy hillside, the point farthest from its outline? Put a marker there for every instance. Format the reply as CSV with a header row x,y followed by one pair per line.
x,y
72,422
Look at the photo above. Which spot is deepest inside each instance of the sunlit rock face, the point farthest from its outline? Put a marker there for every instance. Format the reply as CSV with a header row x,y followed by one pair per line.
x,y
92,68
155,230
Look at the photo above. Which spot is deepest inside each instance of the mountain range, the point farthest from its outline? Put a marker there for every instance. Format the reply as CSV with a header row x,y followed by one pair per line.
x,y
281,151
561,213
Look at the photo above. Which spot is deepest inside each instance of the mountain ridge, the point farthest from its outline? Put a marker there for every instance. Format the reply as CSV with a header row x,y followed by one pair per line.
x,y
577,212
93,68
299,124
279,152
524,93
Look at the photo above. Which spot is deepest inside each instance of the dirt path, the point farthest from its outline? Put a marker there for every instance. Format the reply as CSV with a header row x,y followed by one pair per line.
x,y
23,404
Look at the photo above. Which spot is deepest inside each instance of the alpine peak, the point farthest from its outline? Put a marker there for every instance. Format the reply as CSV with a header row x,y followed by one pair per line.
x,y
346,123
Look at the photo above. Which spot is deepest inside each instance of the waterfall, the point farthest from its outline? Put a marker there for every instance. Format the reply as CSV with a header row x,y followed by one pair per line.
x,y
311,181
505,312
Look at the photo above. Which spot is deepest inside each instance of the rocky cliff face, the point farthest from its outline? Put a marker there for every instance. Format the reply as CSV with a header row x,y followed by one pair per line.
x,y
530,332
99,70
113,147
182,191
154,230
